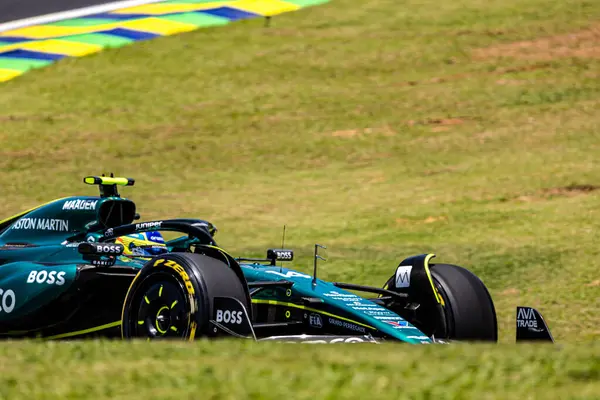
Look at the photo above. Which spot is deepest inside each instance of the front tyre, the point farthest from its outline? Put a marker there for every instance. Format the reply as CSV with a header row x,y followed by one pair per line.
x,y
466,313
172,296
469,311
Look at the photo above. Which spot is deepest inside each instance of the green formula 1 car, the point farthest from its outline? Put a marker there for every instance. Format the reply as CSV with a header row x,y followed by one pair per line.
x,y
74,267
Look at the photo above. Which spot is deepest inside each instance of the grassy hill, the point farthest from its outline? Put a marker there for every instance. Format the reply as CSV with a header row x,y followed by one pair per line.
x,y
380,128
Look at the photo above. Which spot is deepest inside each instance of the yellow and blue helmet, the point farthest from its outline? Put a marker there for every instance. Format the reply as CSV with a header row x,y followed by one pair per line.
x,y
144,244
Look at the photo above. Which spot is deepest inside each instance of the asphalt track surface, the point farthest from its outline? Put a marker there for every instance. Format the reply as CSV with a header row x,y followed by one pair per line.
x,y
11,10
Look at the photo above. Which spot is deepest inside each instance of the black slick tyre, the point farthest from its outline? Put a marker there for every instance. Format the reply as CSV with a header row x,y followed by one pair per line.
x,y
469,310
172,296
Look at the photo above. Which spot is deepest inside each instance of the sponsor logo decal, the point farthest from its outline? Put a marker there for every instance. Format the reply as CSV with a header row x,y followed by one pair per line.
x,y
324,340
346,325
156,237
109,232
7,301
50,278
146,225
397,324
526,318
80,205
403,276
289,274
181,271
42,224
337,340
108,249
347,340
229,317
315,321
334,294
102,263
418,337
284,255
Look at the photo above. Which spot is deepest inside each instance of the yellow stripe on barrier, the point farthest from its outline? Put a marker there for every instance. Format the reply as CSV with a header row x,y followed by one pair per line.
x,y
49,31
10,47
161,9
266,7
6,74
158,26
73,49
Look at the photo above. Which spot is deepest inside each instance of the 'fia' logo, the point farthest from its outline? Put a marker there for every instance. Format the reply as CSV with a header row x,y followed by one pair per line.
x,y
315,321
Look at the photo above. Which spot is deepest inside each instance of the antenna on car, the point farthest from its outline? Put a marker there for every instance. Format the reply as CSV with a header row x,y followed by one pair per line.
x,y
282,246
317,257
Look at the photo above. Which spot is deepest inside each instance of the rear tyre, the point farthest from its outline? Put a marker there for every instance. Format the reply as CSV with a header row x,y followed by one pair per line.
x,y
172,296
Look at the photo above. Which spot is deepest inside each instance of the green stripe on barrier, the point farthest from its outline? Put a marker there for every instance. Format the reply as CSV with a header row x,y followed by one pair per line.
x,y
196,19
22,64
81,36
99,39
82,22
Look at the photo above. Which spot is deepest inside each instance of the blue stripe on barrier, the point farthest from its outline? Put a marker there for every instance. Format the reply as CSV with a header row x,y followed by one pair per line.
x,y
130,34
14,39
35,55
229,13
119,17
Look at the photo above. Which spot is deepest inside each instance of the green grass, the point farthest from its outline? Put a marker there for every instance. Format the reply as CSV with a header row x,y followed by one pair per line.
x,y
237,370
380,128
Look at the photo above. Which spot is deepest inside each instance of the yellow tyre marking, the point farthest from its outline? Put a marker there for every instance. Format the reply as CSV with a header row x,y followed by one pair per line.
x,y
180,270
426,265
157,314
193,331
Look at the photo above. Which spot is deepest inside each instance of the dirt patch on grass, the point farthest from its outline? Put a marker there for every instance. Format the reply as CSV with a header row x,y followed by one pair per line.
x,y
441,124
497,71
439,121
572,189
429,220
564,191
510,292
350,133
581,44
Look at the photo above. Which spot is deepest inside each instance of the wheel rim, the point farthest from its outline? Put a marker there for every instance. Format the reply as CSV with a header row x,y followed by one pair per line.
x,y
160,310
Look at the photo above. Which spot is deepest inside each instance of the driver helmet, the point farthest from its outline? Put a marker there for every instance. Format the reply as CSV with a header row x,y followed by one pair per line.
x,y
144,244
